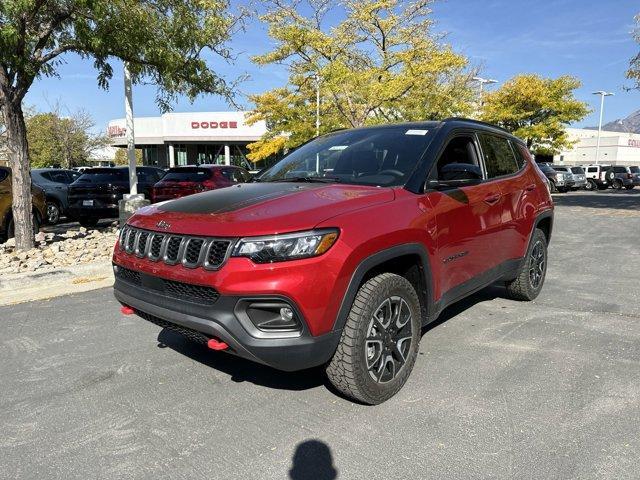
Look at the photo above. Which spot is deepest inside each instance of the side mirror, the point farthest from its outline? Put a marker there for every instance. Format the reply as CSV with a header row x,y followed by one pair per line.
x,y
454,175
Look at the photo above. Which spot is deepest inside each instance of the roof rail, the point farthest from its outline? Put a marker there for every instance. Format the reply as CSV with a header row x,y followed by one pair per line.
x,y
477,122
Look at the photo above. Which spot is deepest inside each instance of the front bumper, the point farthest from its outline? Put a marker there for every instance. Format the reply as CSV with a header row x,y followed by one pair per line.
x,y
221,320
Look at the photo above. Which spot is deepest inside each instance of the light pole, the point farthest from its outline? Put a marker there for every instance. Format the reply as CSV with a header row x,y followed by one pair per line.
x,y
482,82
131,145
602,94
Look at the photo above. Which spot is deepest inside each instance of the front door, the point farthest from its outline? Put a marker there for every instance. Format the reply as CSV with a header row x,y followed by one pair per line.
x,y
468,220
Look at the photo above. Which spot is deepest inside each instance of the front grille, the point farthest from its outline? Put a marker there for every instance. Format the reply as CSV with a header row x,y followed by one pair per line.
x,y
192,252
171,288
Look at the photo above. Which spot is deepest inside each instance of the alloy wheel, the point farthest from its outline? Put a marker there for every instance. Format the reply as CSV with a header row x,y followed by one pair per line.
x,y
53,213
537,264
388,339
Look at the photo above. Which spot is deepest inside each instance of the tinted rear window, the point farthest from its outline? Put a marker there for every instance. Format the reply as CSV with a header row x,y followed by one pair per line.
x,y
577,170
187,175
634,169
103,175
620,169
561,169
498,156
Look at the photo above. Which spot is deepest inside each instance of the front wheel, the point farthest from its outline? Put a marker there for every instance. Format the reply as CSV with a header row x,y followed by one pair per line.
x,y
591,185
528,283
617,185
53,213
379,342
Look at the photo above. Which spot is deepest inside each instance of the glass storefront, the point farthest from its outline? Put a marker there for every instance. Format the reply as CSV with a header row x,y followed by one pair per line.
x,y
197,154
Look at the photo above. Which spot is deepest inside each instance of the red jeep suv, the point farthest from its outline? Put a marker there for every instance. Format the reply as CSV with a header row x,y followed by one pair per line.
x,y
339,254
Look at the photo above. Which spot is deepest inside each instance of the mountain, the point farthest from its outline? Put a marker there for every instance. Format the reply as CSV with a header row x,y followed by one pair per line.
x,y
630,124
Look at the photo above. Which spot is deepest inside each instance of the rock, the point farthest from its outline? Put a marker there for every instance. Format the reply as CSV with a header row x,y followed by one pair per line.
x,y
40,237
10,243
82,230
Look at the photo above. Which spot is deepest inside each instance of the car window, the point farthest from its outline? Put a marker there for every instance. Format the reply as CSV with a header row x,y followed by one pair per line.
x,y
147,175
499,158
577,170
187,174
3,174
461,149
592,169
634,169
56,176
103,175
620,169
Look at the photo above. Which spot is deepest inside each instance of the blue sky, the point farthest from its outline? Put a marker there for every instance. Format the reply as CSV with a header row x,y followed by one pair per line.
x,y
589,39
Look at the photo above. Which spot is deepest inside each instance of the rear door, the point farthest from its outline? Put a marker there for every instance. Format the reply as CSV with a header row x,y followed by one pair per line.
x,y
506,168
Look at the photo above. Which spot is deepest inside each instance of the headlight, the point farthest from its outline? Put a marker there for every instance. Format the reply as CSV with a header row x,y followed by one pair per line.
x,y
292,246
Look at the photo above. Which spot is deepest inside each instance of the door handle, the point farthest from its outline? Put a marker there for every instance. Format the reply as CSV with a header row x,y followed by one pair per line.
x,y
530,188
492,199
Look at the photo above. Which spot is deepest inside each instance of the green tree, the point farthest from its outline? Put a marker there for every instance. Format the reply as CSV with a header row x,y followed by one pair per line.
x,y
120,157
162,41
634,69
380,63
57,140
536,109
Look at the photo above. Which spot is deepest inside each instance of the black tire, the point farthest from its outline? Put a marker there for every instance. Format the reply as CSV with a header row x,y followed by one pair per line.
x,y
366,346
591,185
53,212
10,233
562,189
527,285
617,184
88,221
629,187
610,176
603,186
552,186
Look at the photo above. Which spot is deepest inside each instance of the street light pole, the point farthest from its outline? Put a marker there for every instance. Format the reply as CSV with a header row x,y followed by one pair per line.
x,y
602,94
131,145
482,82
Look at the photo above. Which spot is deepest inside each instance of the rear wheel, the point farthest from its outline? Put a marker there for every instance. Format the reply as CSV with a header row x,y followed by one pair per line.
x,y
591,185
617,184
88,221
629,187
53,212
552,186
11,231
379,342
528,283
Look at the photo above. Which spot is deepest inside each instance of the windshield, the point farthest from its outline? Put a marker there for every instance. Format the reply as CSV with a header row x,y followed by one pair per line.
x,y
577,170
383,156
103,175
187,174
634,169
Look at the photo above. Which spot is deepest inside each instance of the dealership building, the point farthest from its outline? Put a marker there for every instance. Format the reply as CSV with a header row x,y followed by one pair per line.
x,y
616,148
176,139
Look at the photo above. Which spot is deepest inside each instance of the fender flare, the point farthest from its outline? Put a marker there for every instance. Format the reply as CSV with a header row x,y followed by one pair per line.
x,y
379,258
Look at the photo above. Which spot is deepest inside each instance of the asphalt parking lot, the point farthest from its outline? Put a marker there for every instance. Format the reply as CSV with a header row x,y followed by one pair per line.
x,y
501,389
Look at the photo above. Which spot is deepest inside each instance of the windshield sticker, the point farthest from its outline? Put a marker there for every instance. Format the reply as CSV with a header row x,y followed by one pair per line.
x,y
338,147
416,132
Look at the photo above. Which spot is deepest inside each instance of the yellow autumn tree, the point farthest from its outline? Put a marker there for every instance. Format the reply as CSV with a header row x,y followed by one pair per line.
x,y
381,63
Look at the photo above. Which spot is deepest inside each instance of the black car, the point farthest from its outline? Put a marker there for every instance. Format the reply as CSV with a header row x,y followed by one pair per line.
x,y
95,194
55,183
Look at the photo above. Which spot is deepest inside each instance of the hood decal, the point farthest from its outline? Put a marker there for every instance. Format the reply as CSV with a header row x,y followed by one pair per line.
x,y
232,198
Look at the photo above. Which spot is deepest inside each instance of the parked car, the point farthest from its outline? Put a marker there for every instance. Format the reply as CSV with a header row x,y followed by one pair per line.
x,y
596,177
635,171
558,181
343,263
96,193
55,183
579,178
6,202
181,181
620,177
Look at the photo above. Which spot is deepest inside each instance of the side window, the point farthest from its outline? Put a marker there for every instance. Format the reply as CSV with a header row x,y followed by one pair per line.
x,y
499,158
592,169
461,149
58,177
3,174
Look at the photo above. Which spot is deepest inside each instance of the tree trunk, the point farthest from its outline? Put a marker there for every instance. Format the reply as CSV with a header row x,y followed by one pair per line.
x,y
20,174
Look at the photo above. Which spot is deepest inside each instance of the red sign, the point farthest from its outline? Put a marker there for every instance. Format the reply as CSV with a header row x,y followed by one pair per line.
x,y
223,124
634,143
116,131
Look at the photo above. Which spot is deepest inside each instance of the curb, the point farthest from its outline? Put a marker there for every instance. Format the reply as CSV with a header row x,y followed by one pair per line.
x,y
31,286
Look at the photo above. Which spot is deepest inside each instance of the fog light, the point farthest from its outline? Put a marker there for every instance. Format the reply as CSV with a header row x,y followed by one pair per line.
x,y
287,314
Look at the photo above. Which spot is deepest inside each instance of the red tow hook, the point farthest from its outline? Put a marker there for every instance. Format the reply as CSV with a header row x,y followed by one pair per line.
x,y
215,344
126,310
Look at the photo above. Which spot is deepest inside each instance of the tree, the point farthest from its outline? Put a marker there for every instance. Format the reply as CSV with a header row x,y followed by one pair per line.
x,y
634,69
57,140
381,63
536,109
162,41
120,157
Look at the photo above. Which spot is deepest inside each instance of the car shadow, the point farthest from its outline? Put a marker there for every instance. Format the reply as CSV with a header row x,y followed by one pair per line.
x,y
615,199
239,369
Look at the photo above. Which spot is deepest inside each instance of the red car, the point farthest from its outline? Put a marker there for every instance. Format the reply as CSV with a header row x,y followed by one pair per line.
x,y
339,254
182,181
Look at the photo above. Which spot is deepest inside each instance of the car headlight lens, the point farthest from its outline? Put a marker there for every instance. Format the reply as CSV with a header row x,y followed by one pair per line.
x,y
292,246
